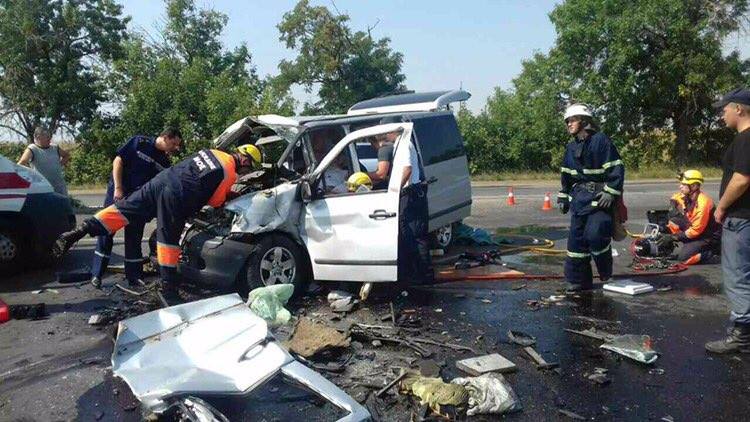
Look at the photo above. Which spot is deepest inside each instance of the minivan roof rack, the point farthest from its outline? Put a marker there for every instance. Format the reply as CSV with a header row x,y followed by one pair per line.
x,y
418,101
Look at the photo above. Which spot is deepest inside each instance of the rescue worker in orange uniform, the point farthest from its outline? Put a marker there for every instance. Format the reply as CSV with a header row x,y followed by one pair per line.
x,y
175,194
692,221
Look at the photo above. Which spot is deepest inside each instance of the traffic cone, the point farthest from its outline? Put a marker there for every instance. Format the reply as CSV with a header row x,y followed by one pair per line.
x,y
547,206
4,312
511,196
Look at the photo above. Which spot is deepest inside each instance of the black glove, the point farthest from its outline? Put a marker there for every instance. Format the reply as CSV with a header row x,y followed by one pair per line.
x,y
563,204
604,199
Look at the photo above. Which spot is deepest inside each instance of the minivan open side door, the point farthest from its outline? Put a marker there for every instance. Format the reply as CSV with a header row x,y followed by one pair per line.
x,y
354,236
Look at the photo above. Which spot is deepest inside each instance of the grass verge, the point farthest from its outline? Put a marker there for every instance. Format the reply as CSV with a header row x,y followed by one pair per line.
x,y
644,173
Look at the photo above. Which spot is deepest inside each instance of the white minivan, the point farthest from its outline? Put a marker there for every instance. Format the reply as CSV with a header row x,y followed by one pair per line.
x,y
290,226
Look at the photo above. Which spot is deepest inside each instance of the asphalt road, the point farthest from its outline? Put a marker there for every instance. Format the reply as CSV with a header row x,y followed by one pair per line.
x,y
58,368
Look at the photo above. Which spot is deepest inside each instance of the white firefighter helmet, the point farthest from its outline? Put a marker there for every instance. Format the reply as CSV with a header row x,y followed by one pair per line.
x,y
577,110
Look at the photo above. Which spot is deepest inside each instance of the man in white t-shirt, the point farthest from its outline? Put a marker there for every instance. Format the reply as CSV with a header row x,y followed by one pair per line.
x,y
413,248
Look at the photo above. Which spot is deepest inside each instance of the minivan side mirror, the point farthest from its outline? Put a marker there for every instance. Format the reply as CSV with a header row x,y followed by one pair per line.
x,y
305,192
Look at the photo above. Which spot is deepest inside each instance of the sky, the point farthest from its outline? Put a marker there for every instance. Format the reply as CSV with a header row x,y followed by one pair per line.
x,y
474,44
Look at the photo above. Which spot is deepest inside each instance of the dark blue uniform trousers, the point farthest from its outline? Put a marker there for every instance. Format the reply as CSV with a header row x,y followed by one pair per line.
x,y
414,263
161,198
133,254
590,237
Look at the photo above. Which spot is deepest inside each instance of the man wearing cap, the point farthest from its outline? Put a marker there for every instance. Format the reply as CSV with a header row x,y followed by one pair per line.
x,y
733,212
691,221
592,177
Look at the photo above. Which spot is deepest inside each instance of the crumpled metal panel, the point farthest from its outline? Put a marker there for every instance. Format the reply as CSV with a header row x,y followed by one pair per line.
x,y
271,209
211,346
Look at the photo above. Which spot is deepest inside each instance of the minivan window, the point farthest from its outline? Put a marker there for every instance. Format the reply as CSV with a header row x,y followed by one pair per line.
x,y
439,138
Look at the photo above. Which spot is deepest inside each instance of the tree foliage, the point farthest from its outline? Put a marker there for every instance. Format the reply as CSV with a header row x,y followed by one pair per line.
x,y
51,54
188,80
347,66
650,68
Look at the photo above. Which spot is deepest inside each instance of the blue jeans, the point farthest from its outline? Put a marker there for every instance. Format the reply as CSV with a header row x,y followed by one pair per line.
x,y
735,266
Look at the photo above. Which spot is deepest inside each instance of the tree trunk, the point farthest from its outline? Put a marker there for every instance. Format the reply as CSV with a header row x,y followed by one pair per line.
x,y
682,131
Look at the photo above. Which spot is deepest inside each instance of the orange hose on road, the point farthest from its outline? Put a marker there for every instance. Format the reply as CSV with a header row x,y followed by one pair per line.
x,y
445,277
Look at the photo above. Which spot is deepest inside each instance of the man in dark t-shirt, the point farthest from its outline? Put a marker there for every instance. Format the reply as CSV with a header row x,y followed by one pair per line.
x,y
383,144
733,212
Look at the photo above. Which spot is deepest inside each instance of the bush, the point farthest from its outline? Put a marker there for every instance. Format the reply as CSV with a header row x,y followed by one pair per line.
x,y
12,150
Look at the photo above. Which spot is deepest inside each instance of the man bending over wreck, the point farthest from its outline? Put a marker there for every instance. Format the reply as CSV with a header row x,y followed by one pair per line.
x,y
175,194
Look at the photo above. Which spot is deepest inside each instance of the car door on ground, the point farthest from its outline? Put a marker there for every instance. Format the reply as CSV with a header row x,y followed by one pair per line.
x,y
353,236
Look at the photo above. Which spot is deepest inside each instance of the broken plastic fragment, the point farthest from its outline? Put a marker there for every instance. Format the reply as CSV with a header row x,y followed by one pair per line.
x,y
633,346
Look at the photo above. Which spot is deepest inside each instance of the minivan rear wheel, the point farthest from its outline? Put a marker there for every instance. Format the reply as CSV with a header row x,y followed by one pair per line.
x,y
443,236
277,260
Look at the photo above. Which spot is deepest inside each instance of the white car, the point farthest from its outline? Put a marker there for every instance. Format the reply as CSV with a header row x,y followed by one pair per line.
x,y
292,226
32,216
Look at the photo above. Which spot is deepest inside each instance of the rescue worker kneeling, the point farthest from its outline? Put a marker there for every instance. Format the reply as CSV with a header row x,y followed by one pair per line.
x,y
592,177
205,178
692,223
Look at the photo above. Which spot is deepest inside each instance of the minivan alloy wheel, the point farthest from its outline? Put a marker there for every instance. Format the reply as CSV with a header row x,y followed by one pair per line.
x,y
8,249
277,266
444,235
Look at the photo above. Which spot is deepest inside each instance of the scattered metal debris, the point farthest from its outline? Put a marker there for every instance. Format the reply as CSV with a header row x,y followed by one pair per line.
x,y
216,346
571,415
520,338
538,359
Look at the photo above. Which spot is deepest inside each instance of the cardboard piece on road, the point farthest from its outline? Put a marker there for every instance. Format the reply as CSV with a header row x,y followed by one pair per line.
x,y
629,287
479,365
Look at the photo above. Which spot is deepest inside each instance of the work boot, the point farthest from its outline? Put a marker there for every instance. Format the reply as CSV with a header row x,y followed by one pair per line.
x,y
68,239
738,341
169,293
578,287
136,283
96,282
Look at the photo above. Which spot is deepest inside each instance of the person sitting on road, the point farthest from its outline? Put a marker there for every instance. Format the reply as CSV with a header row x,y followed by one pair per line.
x,y
692,221
204,178
47,159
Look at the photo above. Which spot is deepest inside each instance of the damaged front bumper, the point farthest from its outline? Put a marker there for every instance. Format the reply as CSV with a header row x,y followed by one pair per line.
x,y
209,347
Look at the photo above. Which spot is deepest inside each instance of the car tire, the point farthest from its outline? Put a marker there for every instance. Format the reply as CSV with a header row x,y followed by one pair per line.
x,y
442,237
12,250
276,260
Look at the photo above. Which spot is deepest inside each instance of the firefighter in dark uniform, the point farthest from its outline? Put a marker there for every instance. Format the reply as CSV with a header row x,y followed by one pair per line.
x,y
592,177
205,178
137,161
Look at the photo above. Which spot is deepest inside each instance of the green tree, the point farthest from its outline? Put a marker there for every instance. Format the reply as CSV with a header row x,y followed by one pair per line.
x,y
346,66
51,53
189,80
649,64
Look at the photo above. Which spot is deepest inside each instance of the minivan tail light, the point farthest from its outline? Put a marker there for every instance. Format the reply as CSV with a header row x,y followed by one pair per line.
x,y
13,181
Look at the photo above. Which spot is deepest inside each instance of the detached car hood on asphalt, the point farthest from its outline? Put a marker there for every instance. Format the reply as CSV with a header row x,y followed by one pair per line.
x,y
211,346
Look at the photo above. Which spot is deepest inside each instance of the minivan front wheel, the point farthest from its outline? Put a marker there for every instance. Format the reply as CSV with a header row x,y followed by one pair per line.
x,y
443,236
277,260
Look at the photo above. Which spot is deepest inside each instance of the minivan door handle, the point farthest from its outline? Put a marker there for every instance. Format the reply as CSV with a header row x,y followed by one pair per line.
x,y
432,180
381,215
